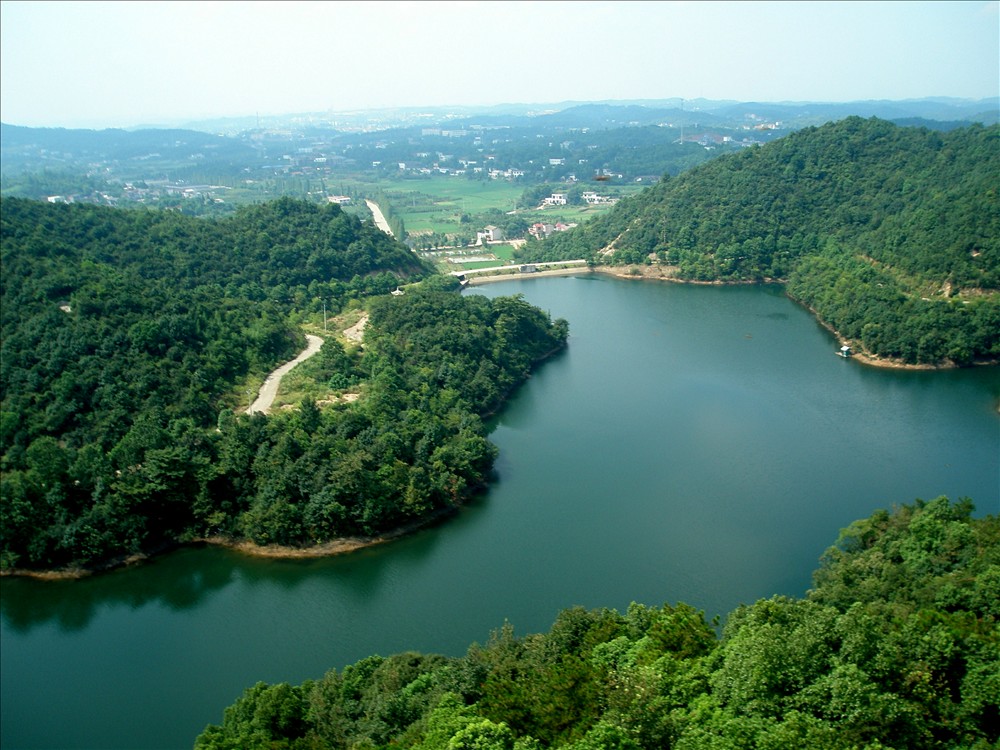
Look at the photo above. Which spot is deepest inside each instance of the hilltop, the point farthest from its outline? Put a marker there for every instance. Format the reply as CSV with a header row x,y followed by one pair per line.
x,y
133,337
890,234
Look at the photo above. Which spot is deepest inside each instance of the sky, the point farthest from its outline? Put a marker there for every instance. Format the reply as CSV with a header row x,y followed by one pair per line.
x,y
125,64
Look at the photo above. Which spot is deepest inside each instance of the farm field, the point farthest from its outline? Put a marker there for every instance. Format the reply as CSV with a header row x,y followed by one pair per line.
x,y
437,204
472,265
469,258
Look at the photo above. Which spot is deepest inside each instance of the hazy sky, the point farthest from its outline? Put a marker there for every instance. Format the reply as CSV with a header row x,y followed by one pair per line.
x,y
120,64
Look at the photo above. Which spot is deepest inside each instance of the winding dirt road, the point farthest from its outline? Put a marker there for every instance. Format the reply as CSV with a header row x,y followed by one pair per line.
x,y
270,388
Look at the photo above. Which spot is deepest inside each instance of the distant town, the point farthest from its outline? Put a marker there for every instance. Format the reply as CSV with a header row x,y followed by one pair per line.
x,y
567,161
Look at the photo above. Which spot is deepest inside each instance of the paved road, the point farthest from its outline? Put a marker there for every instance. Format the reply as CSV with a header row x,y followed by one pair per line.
x,y
380,221
270,388
516,269
574,271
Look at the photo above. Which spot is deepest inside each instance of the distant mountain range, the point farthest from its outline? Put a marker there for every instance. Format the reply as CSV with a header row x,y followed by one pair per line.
x,y
729,115
615,113
570,115
544,142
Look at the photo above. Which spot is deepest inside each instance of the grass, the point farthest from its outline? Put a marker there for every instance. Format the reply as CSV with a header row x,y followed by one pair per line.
x,y
472,265
503,252
435,203
301,382
457,193
565,214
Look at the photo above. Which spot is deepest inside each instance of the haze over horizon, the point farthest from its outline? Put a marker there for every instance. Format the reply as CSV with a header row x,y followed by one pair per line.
x,y
124,64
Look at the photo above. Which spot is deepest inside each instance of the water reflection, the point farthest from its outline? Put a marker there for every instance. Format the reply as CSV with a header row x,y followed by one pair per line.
x,y
179,580
694,465
184,579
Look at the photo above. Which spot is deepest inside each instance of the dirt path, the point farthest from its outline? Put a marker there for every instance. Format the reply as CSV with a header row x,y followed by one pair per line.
x,y
380,221
357,331
270,388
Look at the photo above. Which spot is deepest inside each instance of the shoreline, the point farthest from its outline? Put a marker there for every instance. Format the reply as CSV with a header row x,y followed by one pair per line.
x,y
872,360
861,356
345,545
332,548
338,546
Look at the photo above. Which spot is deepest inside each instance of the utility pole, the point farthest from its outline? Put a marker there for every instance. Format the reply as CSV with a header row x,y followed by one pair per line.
x,y
682,122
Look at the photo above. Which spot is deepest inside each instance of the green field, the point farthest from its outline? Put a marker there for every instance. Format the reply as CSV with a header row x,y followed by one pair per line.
x,y
504,252
472,265
436,203
565,214
458,193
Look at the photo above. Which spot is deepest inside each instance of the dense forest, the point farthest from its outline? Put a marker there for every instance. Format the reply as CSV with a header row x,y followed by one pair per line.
x,y
128,338
897,646
890,234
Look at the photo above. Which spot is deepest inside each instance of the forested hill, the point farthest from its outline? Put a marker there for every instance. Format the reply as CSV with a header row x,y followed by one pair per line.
x,y
107,312
896,647
283,246
891,234
25,148
128,337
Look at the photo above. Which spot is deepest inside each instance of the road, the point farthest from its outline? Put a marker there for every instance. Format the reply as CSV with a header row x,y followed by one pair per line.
x,y
380,221
575,271
270,388
513,268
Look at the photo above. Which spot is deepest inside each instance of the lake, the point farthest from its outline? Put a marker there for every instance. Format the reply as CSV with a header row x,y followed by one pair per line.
x,y
696,444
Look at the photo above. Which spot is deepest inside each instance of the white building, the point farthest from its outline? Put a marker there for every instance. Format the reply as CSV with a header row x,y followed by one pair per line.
x,y
489,234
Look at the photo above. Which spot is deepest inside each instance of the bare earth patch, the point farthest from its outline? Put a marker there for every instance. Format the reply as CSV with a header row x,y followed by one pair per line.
x,y
345,399
339,546
357,331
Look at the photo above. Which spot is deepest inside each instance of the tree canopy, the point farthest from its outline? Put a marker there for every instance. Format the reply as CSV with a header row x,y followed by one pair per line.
x,y
896,646
890,234
126,335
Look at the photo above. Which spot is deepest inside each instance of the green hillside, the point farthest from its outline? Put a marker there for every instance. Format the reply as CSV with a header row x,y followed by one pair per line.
x,y
896,647
890,234
129,337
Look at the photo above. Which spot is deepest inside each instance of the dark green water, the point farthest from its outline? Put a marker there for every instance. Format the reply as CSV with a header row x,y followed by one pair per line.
x,y
692,444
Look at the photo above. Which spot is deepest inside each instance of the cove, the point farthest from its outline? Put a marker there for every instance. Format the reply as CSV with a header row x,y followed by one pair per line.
x,y
697,444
